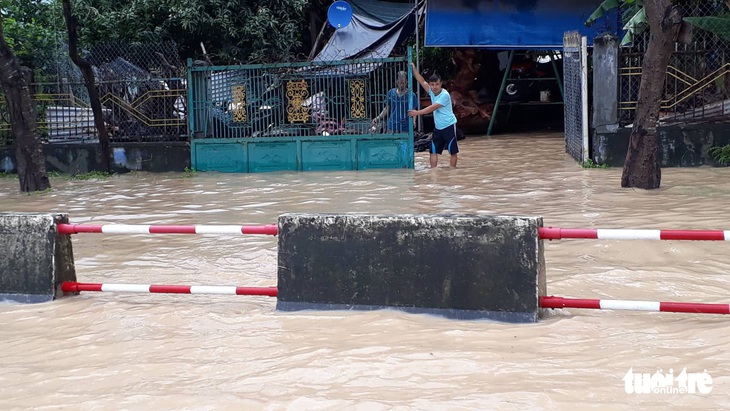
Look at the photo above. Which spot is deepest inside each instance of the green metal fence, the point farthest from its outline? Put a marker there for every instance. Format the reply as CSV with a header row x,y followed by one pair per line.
x,y
305,112
293,116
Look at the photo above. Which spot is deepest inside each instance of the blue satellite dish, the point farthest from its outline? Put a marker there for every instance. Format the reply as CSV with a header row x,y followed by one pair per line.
x,y
339,14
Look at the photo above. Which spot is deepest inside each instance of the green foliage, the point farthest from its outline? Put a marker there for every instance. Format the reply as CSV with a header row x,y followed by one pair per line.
x,y
719,25
31,29
633,15
39,192
590,164
636,24
634,19
233,31
437,60
189,172
92,175
601,11
721,154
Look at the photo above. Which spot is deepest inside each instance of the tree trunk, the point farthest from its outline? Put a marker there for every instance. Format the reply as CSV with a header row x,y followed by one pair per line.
x,y
28,149
88,73
313,31
642,168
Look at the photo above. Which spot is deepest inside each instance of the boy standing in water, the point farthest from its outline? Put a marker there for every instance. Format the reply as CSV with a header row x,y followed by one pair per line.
x,y
444,133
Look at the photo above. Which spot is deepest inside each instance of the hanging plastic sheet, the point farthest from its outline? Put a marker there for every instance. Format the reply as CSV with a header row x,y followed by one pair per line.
x,y
376,28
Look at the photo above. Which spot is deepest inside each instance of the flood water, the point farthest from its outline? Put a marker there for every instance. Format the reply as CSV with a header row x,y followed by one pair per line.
x,y
104,351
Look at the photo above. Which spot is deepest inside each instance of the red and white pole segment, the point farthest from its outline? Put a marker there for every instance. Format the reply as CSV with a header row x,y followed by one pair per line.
x,y
268,229
701,308
74,287
550,233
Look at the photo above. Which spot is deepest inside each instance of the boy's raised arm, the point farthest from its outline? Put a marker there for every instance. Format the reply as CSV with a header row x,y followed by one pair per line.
x,y
420,78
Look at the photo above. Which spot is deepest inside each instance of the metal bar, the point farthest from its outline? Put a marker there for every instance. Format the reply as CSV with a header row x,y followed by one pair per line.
x,y
630,305
269,229
75,287
557,76
418,65
191,102
545,233
507,71
299,64
583,95
411,157
550,233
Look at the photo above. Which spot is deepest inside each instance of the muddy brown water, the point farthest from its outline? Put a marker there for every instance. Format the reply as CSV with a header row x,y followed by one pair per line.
x,y
137,351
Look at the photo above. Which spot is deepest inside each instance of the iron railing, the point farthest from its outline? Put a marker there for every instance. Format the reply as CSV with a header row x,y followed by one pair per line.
x,y
291,99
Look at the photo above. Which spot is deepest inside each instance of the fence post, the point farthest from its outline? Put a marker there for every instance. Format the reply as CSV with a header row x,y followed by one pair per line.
x,y
190,102
575,96
584,97
605,84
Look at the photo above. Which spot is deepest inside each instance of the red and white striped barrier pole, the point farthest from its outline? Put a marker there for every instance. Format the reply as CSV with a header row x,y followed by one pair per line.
x,y
74,287
545,233
701,308
545,301
550,233
269,229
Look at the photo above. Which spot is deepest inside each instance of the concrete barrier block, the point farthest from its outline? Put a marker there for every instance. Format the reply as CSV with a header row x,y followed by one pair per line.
x,y
34,259
463,266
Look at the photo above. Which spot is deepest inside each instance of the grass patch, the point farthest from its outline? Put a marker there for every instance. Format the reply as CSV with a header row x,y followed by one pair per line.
x,y
590,164
189,172
41,192
92,175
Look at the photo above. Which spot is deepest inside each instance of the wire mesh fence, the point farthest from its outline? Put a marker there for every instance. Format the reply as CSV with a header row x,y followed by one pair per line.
x,y
697,83
142,90
573,73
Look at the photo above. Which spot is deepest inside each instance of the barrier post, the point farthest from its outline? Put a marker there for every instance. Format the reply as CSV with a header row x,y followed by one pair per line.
x,y
466,266
35,259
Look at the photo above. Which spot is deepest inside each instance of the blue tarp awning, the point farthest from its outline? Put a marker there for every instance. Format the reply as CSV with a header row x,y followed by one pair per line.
x,y
510,24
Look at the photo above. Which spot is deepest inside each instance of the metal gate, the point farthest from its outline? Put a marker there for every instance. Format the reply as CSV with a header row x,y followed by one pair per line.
x,y
575,71
296,116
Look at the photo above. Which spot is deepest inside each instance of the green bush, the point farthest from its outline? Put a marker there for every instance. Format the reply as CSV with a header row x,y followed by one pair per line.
x,y
590,164
720,154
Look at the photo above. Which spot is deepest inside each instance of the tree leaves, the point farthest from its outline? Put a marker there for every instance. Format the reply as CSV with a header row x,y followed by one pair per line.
x,y
601,11
719,25
29,30
633,14
233,31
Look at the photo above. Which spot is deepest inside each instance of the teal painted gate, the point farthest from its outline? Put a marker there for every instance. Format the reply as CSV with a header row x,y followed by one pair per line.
x,y
295,116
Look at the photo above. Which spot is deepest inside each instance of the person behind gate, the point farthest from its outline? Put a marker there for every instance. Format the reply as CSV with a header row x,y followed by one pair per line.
x,y
397,104
444,133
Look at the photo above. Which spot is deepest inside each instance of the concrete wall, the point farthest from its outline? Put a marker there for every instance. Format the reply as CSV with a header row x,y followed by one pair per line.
x,y
456,266
35,259
79,158
680,145
605,84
